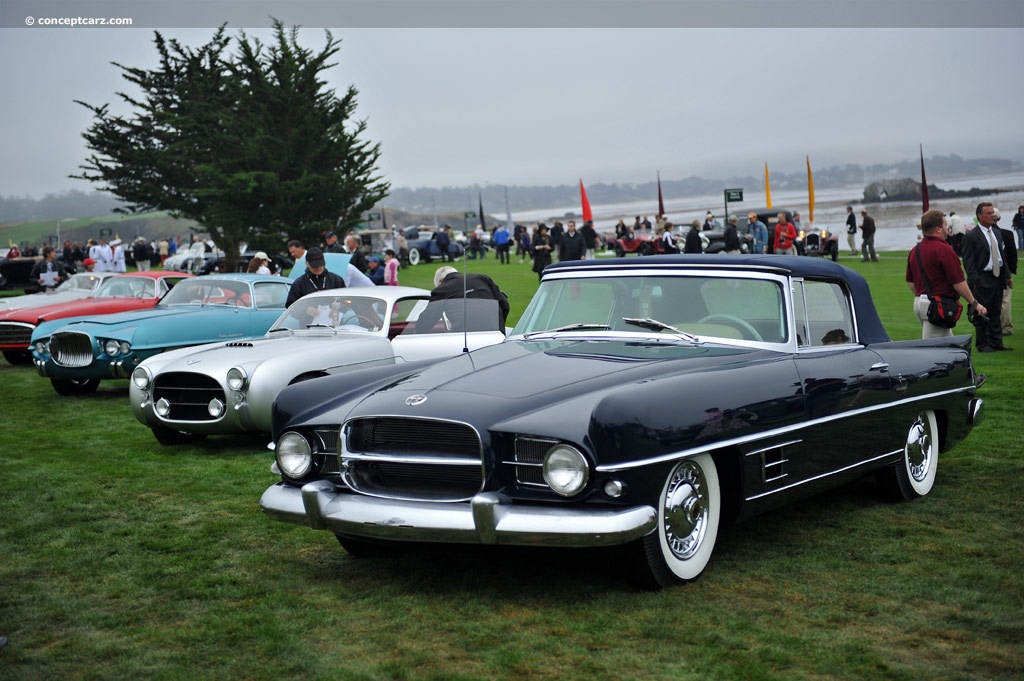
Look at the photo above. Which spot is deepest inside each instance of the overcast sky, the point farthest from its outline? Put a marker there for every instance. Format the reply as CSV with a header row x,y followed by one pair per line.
x,y
552,105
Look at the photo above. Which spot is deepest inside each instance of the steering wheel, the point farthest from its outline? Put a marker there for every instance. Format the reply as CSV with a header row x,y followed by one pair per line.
x,y
735,321
366,322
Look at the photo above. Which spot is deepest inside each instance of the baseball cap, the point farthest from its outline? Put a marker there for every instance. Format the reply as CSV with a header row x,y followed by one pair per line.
x,y
315,257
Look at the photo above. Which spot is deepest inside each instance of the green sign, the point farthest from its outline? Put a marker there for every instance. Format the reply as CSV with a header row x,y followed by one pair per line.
x,y
106,231
733,194
373,216
469,214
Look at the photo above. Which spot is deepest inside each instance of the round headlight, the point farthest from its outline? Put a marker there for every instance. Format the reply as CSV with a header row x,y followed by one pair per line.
x,y
294,455
162,407
111,347
565,470
42,348
141,378
215,408
125,347
236,378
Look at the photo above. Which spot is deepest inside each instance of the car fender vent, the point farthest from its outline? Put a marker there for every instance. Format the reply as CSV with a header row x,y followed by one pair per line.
x,y
238,344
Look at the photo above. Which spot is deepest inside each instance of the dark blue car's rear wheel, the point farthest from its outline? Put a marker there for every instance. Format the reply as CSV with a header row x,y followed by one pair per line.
x,y
914,475
689,513
415,256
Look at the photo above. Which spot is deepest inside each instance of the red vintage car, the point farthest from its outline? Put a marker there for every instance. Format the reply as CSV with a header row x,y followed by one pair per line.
x,y
121,293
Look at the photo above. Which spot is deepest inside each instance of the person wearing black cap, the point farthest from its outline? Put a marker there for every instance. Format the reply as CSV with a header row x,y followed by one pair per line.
x,y
331,243
315,278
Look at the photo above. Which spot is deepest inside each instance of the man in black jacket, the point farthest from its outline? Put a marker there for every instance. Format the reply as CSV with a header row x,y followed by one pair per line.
x,y
315,278
693,242
571,246
457,296
988,273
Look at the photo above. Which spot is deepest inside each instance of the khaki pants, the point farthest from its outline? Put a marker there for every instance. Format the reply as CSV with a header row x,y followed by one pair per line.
x,y
928,330
851,240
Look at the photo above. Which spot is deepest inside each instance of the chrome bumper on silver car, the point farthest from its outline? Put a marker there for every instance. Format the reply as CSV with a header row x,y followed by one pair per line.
x,y
487,518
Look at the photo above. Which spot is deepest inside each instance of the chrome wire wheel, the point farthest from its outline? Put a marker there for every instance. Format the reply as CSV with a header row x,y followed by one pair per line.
x,y
689,512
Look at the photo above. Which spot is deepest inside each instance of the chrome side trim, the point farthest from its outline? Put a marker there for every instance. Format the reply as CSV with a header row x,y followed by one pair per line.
x,y
825,475
776,432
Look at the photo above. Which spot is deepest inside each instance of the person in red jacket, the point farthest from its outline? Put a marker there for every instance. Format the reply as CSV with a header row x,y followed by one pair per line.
x,y
785,236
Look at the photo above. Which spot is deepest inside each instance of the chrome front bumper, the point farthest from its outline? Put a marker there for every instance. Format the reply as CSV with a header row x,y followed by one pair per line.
x,y
488,518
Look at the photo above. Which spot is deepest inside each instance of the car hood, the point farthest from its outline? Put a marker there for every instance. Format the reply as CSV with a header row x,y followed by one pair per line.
x,y
87,307
35,300
169,324
524,375
217,358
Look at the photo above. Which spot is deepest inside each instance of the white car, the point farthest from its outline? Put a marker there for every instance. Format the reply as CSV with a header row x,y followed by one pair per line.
x,y
229,387
76,287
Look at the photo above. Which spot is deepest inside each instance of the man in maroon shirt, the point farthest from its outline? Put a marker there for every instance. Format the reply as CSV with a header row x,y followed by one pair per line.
x,y
942,267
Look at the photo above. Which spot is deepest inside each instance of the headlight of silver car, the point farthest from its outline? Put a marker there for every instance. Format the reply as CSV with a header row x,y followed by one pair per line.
x,y
141,378
237,378
565,470
294,455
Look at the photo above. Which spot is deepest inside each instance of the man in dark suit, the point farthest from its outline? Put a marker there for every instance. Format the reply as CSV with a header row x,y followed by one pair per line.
x,y
470,302
988,273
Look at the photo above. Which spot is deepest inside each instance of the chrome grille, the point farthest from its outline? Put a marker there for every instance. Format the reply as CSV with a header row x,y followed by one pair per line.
x,y
528,459
16,333
71,349
329,440
412,458
188,394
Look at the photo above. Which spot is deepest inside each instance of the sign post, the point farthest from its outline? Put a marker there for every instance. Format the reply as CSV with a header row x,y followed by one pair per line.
x,y
731,195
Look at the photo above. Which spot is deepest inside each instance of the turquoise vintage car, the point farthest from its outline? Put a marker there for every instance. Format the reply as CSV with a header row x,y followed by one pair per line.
x,y
76,354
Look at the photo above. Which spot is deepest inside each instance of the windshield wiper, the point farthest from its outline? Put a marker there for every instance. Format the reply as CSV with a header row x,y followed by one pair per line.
x,y
319,326
655,325
569,327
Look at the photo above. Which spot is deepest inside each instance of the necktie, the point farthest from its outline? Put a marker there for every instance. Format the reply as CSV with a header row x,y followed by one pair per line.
x,y
995,252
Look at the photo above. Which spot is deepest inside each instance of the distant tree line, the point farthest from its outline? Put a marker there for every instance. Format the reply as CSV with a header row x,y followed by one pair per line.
x,y
448,200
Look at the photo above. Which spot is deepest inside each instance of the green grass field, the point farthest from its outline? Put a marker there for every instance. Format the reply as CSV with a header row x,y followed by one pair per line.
x,y
122,559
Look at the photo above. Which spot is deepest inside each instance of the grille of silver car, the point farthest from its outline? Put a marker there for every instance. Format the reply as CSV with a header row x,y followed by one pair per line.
x,y
412,458
71,349
189,395
15,332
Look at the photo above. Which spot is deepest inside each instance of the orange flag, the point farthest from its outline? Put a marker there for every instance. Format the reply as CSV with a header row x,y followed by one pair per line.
x,y
767,187
587,214
810,193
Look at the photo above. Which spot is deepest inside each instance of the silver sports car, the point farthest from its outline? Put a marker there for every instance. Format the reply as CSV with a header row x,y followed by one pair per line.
x,y
226,388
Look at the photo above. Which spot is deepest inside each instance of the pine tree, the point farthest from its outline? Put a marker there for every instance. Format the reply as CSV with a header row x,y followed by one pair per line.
x,y
252,145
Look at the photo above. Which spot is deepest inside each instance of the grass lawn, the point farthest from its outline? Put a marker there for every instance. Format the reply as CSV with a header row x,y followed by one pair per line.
x,y
122,559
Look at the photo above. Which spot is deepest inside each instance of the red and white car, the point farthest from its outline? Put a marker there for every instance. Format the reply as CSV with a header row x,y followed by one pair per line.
x,y
118,293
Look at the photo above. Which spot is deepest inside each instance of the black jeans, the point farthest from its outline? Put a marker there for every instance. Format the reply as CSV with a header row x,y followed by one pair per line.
x,y
988,290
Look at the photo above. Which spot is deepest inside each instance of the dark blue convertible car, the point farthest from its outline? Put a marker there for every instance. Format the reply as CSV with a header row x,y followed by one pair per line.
x,y
637,402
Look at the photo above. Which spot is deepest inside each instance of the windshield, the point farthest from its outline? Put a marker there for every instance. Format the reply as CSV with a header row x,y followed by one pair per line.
x,y
204,291
733,307
127,287
81,282
351,313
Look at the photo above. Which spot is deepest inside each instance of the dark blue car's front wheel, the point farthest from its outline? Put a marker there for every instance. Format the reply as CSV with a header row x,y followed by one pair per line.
x,y
689,513
75,386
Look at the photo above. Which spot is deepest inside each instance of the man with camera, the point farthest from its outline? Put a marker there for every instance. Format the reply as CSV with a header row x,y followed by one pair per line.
x,y
934,259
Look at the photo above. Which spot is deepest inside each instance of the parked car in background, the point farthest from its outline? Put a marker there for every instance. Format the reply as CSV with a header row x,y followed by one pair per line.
x,y
15,273
77,353
642,403
423,246
229,388
117,293
76,287
202,257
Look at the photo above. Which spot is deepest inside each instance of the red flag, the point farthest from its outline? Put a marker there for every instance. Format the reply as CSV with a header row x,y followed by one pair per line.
x,y
587,214
661,201
924,184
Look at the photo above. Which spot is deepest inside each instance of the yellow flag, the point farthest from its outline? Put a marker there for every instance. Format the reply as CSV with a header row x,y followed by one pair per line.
x,y
767,187
810,192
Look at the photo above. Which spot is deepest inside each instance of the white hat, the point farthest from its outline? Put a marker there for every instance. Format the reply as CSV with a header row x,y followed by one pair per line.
x,y
260,255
